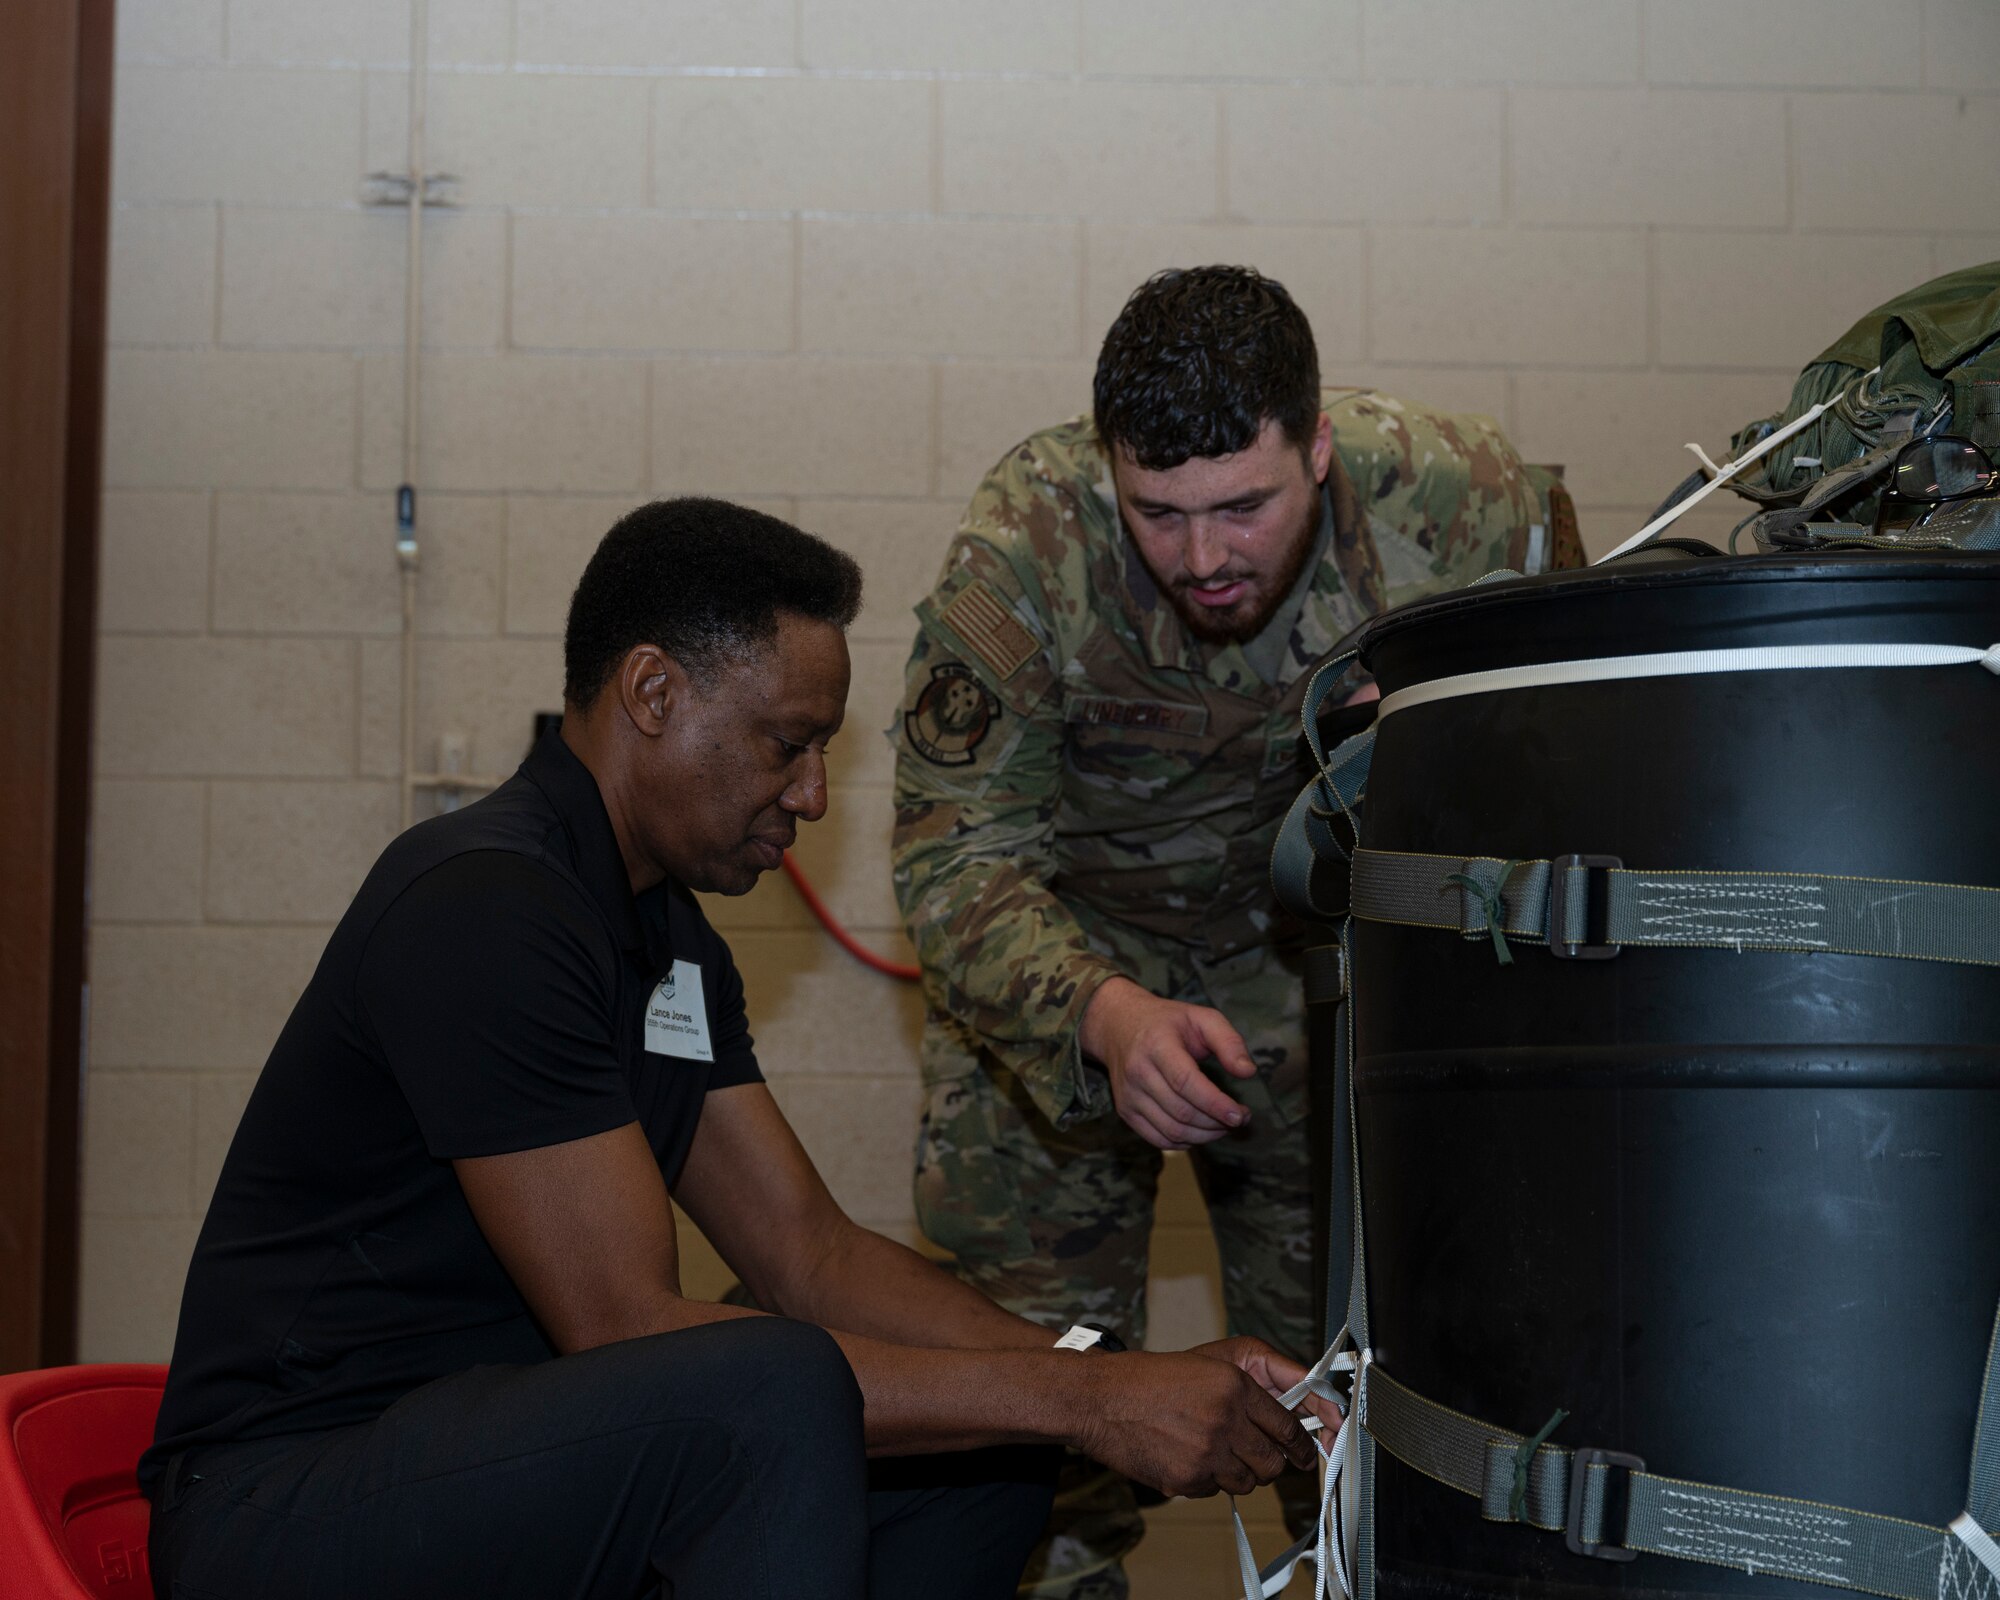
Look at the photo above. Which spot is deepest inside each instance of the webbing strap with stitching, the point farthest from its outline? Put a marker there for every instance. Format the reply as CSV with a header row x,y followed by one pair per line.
x,y
1791,1538
1704,909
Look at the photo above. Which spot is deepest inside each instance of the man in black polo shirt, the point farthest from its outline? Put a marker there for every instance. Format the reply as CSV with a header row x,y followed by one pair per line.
x,y
433,1341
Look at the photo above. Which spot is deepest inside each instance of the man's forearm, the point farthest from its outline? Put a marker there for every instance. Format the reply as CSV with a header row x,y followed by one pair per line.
x,y
1004,1384
865,1284
925,1401
1189,1423
941,1367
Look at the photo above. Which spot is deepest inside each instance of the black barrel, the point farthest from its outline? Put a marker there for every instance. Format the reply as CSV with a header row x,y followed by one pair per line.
x,y
1737,1213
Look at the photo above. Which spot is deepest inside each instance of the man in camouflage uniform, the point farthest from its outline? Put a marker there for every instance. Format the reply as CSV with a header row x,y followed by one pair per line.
x,y
1099,737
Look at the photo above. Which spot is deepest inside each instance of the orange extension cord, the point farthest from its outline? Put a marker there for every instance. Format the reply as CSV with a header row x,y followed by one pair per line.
x,y
846,940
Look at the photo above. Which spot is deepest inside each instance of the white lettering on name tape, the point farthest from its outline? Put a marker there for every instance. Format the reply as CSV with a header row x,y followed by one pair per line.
x,y
677,1016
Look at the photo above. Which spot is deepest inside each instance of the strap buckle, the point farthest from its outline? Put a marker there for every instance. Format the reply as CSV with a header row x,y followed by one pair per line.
x,y
1572,941
1617,1500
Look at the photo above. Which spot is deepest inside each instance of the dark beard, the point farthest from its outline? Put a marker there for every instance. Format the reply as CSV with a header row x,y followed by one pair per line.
x,y
1235,625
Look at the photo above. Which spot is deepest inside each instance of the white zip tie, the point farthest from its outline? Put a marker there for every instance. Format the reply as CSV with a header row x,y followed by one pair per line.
x,y
1701,455
1724,474
1339,1500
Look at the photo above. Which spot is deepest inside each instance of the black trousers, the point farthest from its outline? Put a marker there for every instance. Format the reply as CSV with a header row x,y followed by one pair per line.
x,y
724,1460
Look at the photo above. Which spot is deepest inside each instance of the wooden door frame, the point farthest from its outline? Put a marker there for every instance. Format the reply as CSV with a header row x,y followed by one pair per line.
x,y
55,142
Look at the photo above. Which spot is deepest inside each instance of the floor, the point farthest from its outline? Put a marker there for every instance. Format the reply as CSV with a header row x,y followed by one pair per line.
x,y
1190,1550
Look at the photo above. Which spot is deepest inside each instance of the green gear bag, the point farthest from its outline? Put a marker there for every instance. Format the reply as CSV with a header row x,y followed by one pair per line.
x,y
1938,346
1928,361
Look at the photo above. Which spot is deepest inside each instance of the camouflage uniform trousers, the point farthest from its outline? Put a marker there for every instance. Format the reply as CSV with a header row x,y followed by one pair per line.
x,y
1055,1224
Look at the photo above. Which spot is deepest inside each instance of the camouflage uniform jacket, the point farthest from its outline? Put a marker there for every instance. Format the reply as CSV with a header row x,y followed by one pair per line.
x,y
1080,784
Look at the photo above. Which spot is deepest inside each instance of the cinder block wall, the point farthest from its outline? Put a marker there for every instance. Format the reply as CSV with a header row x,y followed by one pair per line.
x,y
833,257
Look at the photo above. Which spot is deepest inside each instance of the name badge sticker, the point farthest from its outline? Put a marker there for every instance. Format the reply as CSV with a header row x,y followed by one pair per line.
x,y
677,1016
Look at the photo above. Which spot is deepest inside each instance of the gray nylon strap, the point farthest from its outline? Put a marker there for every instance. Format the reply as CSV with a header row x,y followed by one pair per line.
x,y
1439,1443
1546,1501
1982,1498
1307,832
1292,860
1357,1281
1304,837
1793,1538
1466,1454
1321,970
1712,910
1392,886
1985,537
1668,1516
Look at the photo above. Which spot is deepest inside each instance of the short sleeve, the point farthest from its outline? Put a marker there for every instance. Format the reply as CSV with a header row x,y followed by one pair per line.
x,y
491,987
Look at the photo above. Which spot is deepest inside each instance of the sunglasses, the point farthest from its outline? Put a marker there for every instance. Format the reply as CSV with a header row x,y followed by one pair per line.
x,y
1934,472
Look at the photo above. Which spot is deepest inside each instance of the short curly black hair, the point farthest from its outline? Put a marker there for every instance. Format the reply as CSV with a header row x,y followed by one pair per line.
x,y
704,580
1199,360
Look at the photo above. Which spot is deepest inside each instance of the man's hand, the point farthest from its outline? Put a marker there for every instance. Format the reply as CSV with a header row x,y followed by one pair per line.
x,y
1276,1373
1152,1049
1189,1424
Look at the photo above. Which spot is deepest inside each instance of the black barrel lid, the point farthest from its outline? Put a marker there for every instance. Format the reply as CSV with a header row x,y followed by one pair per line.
x,y
1679,600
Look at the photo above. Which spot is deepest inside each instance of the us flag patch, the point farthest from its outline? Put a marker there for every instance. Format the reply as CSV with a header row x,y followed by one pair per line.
x,y
988,629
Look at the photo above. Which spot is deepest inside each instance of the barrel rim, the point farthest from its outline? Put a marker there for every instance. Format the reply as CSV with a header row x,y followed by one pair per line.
x,y
1841,567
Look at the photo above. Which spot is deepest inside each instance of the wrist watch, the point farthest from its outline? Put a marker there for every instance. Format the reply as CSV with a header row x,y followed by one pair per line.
x,y
1090,1336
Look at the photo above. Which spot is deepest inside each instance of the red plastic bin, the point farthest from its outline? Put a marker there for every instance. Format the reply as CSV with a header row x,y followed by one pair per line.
x,y
72,1520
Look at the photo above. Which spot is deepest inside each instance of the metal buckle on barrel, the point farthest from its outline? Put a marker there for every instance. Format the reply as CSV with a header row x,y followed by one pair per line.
x,y
1576,944
1606,1548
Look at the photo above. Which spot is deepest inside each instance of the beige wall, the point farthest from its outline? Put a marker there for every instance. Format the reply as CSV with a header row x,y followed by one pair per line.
x,y
833,256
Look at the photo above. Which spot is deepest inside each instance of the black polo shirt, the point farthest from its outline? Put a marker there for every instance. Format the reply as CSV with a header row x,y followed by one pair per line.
x,y
494,987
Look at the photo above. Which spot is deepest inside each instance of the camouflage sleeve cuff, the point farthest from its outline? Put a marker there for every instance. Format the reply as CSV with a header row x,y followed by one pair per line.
x,y
1065,1085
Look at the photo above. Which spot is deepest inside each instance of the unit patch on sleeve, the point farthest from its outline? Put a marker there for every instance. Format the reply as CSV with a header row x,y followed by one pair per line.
x,y
989,630
952,714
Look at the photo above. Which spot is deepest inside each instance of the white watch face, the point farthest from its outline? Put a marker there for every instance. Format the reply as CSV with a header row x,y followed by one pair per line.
x,y
1078,1338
